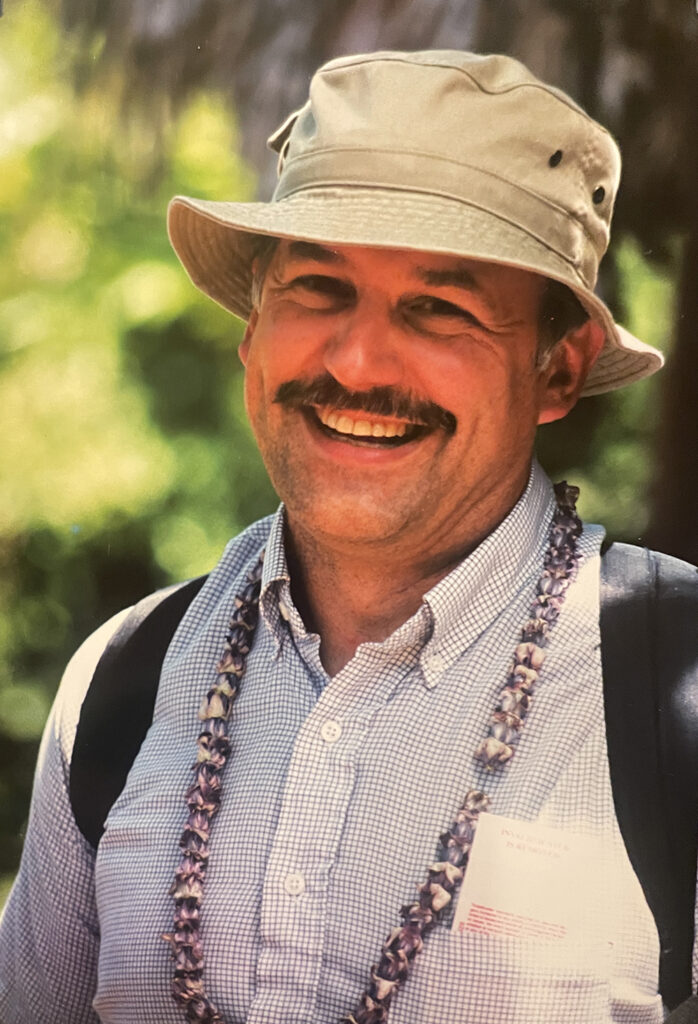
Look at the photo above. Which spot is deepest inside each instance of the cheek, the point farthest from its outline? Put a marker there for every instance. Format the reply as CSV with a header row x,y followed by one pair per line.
x,y
481,381
278,352
251,400
264,374
494,400
255,386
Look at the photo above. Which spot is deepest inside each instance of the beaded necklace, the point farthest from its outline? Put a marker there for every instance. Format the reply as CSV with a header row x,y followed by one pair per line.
x,y
445,875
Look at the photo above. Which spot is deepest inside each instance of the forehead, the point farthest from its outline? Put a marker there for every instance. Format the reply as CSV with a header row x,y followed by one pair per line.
x,y
501,286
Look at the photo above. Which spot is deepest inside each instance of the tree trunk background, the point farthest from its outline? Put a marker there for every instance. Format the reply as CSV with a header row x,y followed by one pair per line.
x,y
673,527
633,64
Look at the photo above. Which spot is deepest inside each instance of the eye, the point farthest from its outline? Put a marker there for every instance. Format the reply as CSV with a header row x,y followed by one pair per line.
x,y
439,315
320,291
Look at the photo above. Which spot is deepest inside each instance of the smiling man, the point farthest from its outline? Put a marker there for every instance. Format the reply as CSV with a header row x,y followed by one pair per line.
x,y
401,806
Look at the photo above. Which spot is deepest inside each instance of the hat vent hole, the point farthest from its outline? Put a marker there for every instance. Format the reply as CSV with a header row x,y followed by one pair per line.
x,y
599,195
555,158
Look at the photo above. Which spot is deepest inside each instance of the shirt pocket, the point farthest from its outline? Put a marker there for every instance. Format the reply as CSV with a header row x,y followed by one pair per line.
x,y
473,978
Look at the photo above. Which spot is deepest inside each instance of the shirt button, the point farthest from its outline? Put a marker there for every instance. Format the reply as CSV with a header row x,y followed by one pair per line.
x,y
436,662
330,731
294,884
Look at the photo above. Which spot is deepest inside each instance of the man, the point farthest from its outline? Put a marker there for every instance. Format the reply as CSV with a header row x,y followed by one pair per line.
x,y
419,298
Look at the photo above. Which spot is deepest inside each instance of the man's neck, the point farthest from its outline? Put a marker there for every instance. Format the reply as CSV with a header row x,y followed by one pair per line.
x,y
352,589
350,602
354,594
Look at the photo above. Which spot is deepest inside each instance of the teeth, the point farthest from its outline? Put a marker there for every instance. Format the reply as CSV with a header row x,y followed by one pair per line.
x,y
344,424
362,428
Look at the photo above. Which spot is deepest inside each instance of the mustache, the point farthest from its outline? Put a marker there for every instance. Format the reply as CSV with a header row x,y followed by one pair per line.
x,y
382,401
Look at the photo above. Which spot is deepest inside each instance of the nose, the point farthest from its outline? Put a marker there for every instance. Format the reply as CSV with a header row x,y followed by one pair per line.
x,y
364,350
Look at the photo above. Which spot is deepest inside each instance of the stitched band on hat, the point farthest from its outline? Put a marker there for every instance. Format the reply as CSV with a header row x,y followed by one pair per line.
x,y
537,215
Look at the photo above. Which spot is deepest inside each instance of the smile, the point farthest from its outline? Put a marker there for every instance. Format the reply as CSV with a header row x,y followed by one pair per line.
x,y
364,428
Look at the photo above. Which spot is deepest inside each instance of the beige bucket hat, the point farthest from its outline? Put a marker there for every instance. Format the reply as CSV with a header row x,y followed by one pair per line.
x,y
440,151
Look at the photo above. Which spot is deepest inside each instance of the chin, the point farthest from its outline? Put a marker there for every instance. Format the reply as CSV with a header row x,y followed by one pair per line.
x,y
353,518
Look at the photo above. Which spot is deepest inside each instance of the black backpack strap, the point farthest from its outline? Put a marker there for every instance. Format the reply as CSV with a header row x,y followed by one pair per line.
x,y
118,707
686,1013
649,649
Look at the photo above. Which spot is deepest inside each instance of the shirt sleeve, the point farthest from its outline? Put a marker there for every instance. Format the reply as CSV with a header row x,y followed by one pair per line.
x,y
49,930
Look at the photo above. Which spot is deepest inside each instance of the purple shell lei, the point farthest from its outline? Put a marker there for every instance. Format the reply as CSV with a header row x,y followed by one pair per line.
x,y
203,800
445,875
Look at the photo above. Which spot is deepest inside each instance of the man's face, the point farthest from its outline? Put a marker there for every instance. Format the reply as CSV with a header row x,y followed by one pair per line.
x,y
394,395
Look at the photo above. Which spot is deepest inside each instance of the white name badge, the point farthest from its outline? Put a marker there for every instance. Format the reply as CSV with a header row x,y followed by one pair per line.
x,y
529,881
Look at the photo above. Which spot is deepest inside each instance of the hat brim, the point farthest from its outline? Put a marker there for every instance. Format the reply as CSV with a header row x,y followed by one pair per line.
x,y
215,242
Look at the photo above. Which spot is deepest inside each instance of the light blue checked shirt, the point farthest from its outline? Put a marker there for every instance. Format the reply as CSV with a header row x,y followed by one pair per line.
x,y
334,798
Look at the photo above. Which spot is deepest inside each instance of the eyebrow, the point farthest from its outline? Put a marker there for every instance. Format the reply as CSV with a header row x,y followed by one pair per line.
x,y
301,250
458,277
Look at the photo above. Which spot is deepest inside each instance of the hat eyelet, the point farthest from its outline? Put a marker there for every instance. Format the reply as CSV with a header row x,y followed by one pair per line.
x,y
599,195
555,158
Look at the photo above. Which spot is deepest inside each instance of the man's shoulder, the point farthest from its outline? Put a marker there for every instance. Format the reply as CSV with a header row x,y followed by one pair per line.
x,y
630,569
120,694
630,554
238,553
649,654
157,614
76,681
650,601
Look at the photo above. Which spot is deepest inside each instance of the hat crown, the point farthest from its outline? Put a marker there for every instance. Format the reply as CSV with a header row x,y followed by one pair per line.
x,y
480,129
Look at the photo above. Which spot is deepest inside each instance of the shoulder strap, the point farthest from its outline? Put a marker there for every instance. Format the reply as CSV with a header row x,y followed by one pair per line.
x,y
649,649
118,707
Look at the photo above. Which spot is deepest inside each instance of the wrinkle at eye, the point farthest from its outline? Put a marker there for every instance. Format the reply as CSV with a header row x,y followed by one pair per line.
x,y
326,285
441,314
320,287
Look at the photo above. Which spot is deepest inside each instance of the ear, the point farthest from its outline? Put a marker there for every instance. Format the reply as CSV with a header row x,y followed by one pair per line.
x,y
244,346
562,379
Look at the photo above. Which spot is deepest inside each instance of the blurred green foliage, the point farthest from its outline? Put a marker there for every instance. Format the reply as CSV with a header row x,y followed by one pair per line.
x,y
606,444
126,460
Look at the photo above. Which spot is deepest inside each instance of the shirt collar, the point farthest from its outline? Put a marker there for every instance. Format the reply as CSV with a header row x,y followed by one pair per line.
x,y
466,601
275,596
275,566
